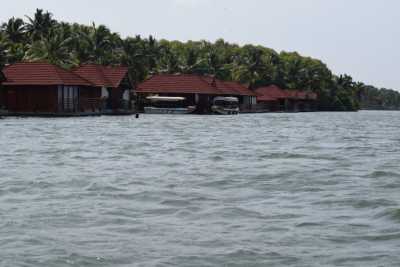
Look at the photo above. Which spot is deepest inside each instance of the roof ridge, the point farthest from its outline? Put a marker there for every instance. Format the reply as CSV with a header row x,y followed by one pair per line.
x,y
101,75
56,69
104,76
230,85
43,73
202,78
59,69
83,78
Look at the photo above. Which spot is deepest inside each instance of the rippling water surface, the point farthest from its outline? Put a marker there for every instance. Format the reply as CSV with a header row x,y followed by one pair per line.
x,y
316,189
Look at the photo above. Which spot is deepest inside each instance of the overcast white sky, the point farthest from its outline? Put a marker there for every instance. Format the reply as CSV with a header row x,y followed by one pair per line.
x,y
358,37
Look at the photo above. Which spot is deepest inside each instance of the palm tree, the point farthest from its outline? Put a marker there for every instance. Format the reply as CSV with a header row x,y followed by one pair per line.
x,y
39,26
53,48
190,60
3,55
253,65
133,56
152,52
97,44
168,61
209,60
14,30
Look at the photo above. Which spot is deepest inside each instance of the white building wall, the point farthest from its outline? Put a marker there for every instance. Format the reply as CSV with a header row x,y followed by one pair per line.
x,y
126,95
104,92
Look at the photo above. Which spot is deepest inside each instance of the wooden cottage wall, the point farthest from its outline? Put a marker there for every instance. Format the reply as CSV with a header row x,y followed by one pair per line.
x,y
2,97
32,98
90,99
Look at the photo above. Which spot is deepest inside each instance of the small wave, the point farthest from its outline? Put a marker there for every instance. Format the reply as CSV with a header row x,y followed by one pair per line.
x,y
393,214
382,237
233,212
287,155
392,185
146,196
218,183
41,184
103,188
383,174
75,259
357,203
353,260
176,203
287,216
161,211
243,253
309,224
373,203
217,158
245,257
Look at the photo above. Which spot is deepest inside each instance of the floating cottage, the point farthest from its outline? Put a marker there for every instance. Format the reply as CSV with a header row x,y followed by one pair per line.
x,y
200,91
197,90
272,99
43,89
39,88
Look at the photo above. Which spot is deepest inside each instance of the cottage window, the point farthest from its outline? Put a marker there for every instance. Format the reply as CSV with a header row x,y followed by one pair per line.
x,y
68,98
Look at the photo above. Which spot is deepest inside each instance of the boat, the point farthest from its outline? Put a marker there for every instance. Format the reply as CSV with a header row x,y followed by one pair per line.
x,y
167,105
225,105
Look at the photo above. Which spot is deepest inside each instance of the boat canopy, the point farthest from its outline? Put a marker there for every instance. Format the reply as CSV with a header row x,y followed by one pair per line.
x,y
165,98
226,99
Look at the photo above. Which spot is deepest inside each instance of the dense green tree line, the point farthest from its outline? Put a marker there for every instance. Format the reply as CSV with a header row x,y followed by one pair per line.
x,y
41,37
379,99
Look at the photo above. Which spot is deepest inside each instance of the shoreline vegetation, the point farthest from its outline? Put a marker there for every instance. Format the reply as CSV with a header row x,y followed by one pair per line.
x,y
42,38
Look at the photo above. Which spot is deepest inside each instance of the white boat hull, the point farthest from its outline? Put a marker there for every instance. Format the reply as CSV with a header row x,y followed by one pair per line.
x,y
154,110
225,111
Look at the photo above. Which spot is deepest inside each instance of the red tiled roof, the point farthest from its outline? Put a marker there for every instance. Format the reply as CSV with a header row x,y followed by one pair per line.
x,y
274,93
293,94
229,88
191,84
40,73
301,95
312,96
265,98
270,93
102,76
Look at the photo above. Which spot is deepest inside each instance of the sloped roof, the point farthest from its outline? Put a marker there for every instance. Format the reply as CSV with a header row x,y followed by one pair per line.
x,y
170,83
229,88
102,76
40,73
300,95
294,94
274,93
270,93
191,84
312,96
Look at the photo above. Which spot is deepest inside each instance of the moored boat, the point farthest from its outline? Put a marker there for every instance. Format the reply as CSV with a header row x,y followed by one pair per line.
x,y
225,105
168,105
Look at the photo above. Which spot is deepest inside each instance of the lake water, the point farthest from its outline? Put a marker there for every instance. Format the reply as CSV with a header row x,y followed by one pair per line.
x,y
312,189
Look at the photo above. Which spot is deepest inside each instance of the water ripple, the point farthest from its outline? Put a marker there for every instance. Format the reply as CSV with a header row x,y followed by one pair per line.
x,y
301,189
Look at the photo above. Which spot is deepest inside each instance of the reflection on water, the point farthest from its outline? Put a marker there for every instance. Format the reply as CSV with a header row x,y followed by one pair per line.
x,y
316,189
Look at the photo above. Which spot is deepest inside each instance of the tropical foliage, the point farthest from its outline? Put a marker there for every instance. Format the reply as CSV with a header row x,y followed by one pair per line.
x,y
41,37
